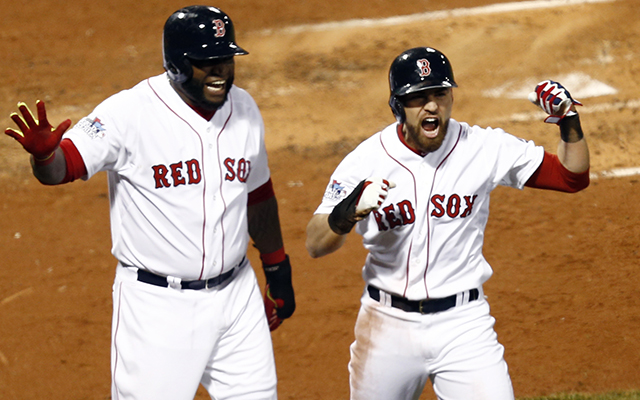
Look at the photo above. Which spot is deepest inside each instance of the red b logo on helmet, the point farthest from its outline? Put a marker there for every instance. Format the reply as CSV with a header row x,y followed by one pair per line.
x,y
220,29
425,67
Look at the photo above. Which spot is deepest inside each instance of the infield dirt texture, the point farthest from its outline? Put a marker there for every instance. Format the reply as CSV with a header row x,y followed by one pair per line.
x,y
565,289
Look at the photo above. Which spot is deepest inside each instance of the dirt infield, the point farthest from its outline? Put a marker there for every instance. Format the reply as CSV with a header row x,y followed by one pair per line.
x,y
565,288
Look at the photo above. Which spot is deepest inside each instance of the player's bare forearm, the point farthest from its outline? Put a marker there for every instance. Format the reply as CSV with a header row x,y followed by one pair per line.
x,y
573,151
264,225
52,173
321,240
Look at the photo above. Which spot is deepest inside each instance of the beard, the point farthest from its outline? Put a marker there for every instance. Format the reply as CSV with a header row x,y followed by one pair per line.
x,y
423,143
194,91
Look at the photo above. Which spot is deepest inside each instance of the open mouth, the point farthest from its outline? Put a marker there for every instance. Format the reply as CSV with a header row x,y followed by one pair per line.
x,y
217,85
430,126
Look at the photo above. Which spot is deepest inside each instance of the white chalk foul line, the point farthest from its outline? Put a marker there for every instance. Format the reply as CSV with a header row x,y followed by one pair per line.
x,y
602,107
430,16
616,173
14,296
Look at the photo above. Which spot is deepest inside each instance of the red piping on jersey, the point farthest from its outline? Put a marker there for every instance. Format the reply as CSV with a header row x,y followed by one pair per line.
x,y
404,141
415,201
429,203
400,136
222,178
204,180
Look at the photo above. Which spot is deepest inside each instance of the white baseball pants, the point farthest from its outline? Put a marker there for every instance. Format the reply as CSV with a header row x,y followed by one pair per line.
x,y
165,341
396,352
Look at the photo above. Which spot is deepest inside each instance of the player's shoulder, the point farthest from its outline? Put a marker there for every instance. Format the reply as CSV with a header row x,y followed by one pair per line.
x,y
368,145
242,102
132,98
389,131
241,95
477,131
367,152
489,136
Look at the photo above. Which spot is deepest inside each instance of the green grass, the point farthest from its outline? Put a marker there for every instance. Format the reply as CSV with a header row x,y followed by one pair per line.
x,y
634,395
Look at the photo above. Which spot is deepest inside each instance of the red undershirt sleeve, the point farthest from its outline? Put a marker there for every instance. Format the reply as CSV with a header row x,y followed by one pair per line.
x,y
75,165
261,194
551,174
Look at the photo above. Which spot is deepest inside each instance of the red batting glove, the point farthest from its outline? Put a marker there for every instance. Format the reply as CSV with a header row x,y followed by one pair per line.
x,y
38,137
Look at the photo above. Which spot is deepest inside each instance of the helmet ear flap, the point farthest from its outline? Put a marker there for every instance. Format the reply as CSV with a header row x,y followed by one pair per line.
x,y
179,75
397,108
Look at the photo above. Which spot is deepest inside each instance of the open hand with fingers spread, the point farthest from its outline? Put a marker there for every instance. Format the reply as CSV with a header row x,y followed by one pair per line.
x,y
38,137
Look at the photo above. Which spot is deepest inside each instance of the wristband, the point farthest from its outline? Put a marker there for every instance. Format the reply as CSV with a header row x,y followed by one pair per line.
x,y
338,225
343,216
44,161
570,129
273,258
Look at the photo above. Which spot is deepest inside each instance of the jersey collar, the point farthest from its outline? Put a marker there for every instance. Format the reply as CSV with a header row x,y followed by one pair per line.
x,y
206,114
404,142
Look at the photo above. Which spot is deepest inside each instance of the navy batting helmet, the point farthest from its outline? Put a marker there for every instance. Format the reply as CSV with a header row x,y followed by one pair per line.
x,y
196,33
414,70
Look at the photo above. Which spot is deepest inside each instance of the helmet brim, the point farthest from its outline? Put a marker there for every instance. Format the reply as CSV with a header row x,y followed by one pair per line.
x,y
419,87
229,50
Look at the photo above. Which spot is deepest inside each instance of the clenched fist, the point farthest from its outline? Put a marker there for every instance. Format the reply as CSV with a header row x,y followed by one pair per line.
x,y
366,197
554,99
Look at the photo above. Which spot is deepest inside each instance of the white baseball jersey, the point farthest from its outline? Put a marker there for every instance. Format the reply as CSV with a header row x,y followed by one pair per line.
x,y
425,240
178,183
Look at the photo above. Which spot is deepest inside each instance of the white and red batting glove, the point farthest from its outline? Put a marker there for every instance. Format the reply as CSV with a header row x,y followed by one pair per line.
x,y
366,197
374,192
555,100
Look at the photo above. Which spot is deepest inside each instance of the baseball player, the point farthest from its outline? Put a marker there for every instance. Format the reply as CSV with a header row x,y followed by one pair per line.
x,y
418,193
189,185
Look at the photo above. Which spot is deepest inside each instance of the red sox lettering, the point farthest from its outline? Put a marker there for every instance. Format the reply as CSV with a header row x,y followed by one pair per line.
x,y
189,172
173,175
395,215
453,205
403,213
241,171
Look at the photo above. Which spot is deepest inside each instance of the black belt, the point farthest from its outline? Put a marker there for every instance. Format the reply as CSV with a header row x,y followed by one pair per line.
x,y
159,280
426,306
